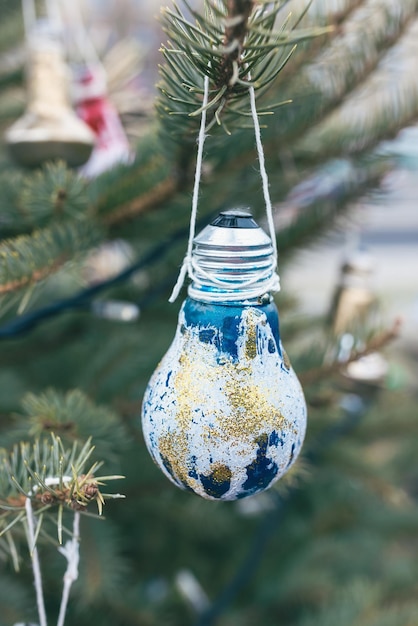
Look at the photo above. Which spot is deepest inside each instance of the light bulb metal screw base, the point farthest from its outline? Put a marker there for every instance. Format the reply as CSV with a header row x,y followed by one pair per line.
x,y
233,261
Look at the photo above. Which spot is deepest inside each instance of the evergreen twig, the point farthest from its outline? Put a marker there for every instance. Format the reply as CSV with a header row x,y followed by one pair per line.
x,y
231,39
146,202
30,259
51,477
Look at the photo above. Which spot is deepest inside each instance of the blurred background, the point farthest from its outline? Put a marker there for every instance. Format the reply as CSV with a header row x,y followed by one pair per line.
x,y
336,542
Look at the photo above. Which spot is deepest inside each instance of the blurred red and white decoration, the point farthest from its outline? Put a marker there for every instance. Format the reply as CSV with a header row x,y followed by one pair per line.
x,y
94,107
90,88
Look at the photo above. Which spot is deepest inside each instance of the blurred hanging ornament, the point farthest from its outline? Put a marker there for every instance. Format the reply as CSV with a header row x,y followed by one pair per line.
x,y
107,261
354,310
49,129
371,369
90,96
224,414
95,109
354,299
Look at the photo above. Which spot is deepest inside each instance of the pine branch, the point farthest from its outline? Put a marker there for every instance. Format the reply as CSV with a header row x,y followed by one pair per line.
x,y
235,33
314,89
375,110
162,191
53,477
30,259
71,416
234,44
325,15
349,59
315,203
32,200
128,191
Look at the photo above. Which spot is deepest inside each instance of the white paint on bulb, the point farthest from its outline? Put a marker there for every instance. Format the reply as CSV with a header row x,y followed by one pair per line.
x,y
224,414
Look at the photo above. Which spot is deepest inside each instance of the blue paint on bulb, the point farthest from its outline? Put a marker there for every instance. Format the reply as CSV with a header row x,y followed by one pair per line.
x,y
208,335
261,472
275,439
193,473
219,324
214,486
292,454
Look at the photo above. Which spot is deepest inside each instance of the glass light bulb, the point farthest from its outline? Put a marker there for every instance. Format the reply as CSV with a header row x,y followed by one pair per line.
x,y
224,414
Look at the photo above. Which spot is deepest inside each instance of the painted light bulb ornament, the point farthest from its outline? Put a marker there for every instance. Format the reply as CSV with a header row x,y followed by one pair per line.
x,y
224,414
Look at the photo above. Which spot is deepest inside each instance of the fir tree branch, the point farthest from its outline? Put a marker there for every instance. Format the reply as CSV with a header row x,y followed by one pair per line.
x,y
30,259
233,38
162,191
36,276
350,58
376,109
51,477
73,417
312,48
30,201
316,88
316,202
235,34
127,191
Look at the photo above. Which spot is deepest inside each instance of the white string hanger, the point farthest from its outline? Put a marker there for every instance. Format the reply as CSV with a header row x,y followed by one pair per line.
x,y
263,172
191,266
187,266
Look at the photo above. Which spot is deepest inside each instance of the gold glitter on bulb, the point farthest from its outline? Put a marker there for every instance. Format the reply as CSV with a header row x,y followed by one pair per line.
x,y
249,416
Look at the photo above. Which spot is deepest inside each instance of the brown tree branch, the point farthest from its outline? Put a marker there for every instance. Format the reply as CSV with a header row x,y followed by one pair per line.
x,y
36,277
149,200
236,30
376,343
